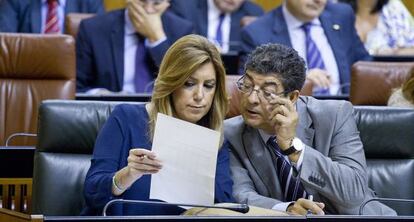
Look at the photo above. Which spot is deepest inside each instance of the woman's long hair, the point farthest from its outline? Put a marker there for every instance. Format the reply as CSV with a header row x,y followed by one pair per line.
x,y
182,59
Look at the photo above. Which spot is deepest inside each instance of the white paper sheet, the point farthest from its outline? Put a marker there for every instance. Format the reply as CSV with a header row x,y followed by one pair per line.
x,y
189,155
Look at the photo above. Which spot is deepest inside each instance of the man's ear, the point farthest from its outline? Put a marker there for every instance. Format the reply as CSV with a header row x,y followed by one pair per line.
x,y
294,95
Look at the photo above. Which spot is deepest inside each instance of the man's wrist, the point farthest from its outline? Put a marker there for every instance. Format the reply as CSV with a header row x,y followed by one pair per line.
x,y
285,144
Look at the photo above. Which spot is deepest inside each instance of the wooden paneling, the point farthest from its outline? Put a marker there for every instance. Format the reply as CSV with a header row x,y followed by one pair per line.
x,y
268,5
114,4
17,194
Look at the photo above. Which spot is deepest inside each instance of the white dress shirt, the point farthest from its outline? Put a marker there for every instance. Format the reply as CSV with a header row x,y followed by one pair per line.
x,y
130,48
212,24
298,40
60,12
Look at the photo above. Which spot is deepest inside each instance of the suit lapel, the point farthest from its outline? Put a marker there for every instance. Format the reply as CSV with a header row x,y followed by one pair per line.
x,y
117,40
305,130
334,38
280,28
202,18
261,160
36,16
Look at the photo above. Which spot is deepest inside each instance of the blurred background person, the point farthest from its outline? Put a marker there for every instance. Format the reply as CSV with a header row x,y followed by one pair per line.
x,y
220,21
322,32
121,50
45,16
191,87
403,96
385,26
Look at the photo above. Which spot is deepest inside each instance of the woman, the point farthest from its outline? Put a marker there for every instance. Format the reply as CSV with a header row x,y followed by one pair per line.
x,y
385,26
190,86
404,96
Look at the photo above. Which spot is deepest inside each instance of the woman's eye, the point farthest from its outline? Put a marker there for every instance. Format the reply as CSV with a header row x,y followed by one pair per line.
x,y
209,85
189,84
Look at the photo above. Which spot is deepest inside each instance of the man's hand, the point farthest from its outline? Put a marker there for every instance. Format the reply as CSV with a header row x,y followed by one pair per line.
x,y
284,118
302,206
247,20
319,78
148,24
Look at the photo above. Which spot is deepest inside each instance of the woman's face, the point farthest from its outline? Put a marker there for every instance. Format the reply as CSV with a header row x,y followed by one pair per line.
x,y
193,100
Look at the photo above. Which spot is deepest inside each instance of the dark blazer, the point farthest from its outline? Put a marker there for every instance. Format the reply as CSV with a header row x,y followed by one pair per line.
x,y
197,12
25,15
345,42
100,49
126,128
11,13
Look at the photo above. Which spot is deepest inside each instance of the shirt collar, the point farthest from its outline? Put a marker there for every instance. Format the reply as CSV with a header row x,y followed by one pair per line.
x,y
292,21
212,8
62,3
265,136
129,27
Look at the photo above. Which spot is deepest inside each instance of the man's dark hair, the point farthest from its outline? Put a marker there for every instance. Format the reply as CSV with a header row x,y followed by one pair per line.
x,y
281,60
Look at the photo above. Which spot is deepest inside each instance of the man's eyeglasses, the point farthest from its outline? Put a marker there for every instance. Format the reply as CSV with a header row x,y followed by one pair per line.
x,y
245,86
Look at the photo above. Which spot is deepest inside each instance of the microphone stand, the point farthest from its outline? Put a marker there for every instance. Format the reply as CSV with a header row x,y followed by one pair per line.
x,y
242,208
361,208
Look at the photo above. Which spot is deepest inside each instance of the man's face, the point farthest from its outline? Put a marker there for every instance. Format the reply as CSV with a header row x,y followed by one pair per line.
x,y
254,104
228,6
306,10
150,6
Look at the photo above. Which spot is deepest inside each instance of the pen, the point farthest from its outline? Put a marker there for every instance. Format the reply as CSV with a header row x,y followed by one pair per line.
x,y
310,197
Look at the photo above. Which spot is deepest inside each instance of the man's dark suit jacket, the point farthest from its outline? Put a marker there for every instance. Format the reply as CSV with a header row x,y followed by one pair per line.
x,y
100,49
197,12
25,15
345,42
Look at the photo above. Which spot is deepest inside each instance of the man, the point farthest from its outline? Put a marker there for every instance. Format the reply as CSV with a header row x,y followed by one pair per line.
x,y
45,16
120,51
218,20
322,32
285,148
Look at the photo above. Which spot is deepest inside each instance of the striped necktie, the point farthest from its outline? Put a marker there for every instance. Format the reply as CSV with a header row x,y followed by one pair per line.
x,y
52,19
313,56
292,188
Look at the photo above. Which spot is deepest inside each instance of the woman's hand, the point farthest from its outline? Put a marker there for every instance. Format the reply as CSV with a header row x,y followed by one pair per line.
x,y
140,162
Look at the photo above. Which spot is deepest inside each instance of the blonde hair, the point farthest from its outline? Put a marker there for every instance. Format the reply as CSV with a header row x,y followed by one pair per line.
x,y
182,59
408,89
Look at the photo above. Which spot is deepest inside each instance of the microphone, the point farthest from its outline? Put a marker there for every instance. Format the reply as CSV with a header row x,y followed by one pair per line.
x,y
361,208
242,208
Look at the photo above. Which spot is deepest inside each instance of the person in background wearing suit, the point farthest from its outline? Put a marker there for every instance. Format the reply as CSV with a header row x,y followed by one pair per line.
x,y
121,50
190,86
322,32
285,147
44,16
220,21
